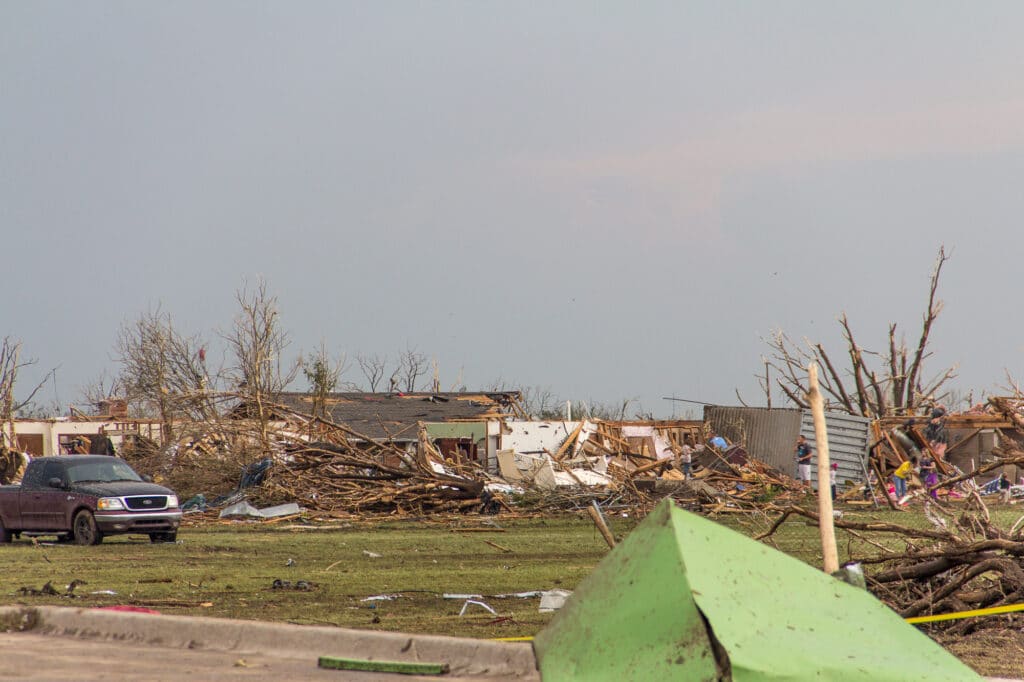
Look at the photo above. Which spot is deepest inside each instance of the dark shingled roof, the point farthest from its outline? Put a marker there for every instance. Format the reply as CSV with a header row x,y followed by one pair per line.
x,y
382,415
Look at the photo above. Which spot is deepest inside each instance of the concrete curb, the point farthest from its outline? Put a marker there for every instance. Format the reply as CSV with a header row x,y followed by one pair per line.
x,y
466,657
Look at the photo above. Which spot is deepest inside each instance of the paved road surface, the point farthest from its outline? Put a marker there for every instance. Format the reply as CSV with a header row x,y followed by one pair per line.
x,y
88,645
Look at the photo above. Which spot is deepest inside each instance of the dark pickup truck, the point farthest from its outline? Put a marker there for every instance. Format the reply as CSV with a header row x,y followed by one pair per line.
x,y
83,498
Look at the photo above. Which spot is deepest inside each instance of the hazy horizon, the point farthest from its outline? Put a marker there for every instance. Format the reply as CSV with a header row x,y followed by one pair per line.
x,y
610,202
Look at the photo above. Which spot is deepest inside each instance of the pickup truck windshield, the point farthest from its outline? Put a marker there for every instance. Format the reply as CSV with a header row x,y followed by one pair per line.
x,y
101,471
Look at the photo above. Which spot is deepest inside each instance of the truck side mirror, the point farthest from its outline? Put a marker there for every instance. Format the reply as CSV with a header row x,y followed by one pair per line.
x,y
147,478
55,483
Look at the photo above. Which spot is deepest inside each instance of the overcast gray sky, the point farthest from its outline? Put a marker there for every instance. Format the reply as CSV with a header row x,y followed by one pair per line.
x,y
612,200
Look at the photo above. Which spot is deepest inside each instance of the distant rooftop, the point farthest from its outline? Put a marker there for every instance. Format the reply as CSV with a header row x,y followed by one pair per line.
x,y
394,415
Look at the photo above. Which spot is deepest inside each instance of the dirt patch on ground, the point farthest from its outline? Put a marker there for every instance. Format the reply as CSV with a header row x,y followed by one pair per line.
x,y
991,652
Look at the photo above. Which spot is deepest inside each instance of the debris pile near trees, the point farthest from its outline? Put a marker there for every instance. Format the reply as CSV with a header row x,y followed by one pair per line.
x,y
899,439
332,470
734,482
332,477
960,561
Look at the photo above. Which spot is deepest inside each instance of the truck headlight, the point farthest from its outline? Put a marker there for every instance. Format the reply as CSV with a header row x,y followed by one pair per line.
x,y
109,504
172,501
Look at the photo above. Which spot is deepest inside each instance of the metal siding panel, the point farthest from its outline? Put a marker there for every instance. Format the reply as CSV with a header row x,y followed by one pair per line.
x,y
767,435
848,441
770,436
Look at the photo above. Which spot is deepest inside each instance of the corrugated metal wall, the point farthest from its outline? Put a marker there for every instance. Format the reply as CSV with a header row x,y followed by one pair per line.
x,y
848,440
770,435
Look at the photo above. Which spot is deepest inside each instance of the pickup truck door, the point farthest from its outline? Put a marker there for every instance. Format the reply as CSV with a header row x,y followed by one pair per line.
x,y
42,507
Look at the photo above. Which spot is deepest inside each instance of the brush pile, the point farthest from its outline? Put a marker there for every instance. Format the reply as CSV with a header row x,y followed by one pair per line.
x,y
332,477
959,560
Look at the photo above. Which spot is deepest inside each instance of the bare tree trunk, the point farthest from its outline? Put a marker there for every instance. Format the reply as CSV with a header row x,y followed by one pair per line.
x,y
372,367
10,364
323,374
933,310
411,366
258,343
163,371
894,389
844,398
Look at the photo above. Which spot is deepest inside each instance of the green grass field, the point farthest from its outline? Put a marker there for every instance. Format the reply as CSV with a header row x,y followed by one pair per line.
x,y
229,570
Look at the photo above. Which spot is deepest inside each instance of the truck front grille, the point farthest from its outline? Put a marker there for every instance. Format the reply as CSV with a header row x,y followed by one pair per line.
x,y
146,502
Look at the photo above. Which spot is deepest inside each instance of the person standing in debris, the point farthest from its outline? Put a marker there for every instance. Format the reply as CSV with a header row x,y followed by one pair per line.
x,y
929,475
686,457
718,442
902,475
803,461
832,478
1004,487
935,432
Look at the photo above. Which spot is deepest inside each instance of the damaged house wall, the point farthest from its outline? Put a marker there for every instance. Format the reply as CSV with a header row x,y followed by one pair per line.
x,y
44,437
767,434
469,440
536,437
527,448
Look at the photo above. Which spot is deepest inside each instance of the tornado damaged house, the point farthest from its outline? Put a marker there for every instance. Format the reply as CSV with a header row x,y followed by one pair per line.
x,y
350,452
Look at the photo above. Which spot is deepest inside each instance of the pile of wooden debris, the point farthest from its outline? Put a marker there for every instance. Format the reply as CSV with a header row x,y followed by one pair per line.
x,y
960,562
332,470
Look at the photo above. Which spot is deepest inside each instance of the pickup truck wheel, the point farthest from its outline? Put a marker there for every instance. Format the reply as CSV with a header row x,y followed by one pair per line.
x,y
85,530
172,536
5,535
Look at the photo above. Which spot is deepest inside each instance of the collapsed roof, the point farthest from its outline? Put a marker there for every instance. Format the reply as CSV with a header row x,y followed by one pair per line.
x,y
394,416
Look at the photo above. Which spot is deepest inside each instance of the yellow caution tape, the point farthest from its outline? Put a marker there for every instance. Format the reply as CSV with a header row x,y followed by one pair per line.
x,y
994,610
967,614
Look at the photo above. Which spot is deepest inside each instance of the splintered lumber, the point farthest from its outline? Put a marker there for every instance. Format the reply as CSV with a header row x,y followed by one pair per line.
x,y
493,529
1004,406
883,435
560,453
333,471
595,443
595,513
346,471
828,535
623,444
880,482
661,463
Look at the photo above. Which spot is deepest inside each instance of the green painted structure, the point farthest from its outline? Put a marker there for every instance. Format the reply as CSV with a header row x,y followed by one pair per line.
x,y
683,598
475,431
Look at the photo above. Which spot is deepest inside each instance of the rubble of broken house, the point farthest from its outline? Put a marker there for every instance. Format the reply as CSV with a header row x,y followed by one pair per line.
x,y
421,455
370,454
424,453
959,562
507,464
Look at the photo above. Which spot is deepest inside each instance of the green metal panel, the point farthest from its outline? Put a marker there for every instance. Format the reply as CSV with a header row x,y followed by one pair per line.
x,y
477,431
633,618
775,617
401,667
